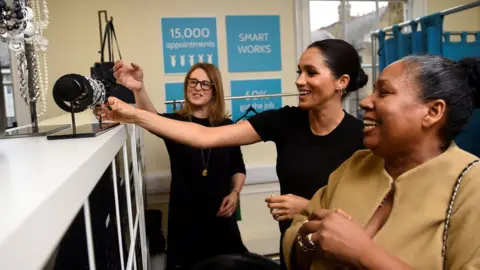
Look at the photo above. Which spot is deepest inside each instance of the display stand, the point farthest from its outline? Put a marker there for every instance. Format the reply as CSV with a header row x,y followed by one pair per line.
x,y
82,131
33,131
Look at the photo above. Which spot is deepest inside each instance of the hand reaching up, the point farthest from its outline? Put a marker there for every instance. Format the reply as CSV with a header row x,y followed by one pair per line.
x,y
128,75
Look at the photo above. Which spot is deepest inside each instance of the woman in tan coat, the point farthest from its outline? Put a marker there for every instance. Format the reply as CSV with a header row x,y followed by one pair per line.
x,y
387,207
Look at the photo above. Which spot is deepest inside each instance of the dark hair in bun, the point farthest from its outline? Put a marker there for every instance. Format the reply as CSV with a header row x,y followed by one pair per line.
x,y
457,83
362,79
471,67
342,58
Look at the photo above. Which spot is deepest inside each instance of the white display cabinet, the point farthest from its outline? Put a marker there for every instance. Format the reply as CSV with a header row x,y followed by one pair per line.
x,y
74,203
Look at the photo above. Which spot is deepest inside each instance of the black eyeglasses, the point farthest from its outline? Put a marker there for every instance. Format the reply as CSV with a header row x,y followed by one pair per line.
x,y
205,85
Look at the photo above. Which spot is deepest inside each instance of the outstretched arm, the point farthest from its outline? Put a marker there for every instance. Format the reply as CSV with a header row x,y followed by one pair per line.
x,y
196,135
188,133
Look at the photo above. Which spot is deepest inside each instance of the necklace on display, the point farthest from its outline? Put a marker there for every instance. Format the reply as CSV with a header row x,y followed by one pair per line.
x,y
24,22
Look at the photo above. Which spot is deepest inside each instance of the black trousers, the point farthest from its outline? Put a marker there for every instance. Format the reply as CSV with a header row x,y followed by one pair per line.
x,y
283,225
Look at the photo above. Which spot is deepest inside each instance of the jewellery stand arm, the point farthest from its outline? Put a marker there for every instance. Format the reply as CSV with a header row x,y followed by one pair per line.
x,y
72,112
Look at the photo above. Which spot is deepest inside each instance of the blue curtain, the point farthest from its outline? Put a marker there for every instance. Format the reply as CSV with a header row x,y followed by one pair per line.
x,y
390,51
381,50
418,39
432,29
394,47
468,139
404,42
462,48
427,40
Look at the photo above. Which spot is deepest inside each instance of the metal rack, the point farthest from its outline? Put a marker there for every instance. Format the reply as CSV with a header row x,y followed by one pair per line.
x,y
374,34
444,13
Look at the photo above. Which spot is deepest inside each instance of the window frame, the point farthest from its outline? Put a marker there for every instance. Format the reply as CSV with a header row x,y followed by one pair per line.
x,y
414,9
301,9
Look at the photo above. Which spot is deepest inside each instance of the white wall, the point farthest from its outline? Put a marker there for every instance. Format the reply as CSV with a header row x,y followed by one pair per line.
x,y
468,20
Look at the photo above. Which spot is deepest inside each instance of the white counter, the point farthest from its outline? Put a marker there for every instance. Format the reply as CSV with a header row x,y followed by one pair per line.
x,y
43,184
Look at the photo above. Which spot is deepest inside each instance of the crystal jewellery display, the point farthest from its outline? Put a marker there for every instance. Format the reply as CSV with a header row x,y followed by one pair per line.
x,y
21,26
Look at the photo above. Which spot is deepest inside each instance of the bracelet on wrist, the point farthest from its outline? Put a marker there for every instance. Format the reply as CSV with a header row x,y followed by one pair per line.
x,y
236,191
310,245
303,246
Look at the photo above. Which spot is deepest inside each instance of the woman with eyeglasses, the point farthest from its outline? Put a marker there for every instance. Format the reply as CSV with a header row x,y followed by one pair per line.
x,y
206,183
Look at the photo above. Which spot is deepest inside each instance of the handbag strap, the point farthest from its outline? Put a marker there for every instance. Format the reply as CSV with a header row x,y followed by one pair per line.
x,y
450,207
108,34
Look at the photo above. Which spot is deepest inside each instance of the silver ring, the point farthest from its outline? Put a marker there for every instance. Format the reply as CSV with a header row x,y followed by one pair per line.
x,y
309,239
276,216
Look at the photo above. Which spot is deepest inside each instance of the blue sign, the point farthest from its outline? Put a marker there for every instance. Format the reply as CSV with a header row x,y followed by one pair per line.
x,y
254,88
174,91
187,41
253,43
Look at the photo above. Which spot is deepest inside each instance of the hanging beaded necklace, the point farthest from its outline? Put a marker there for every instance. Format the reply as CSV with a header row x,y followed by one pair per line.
x,y
24,22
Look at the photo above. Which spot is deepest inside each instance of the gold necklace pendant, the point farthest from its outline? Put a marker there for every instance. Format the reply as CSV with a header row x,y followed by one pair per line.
x,y
205,172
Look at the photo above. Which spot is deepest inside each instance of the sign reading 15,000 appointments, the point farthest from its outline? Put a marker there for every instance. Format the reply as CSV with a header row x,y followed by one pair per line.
x,y
187,41
253,43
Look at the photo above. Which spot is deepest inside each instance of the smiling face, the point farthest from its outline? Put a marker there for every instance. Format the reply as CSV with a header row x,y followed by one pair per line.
x,y
316,82
199,88
395,115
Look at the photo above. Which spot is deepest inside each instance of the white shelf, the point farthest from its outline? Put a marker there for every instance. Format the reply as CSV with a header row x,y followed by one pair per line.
x,y
43,184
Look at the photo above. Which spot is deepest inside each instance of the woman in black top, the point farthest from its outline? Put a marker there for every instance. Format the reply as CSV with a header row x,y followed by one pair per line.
x,y
206,182
312,139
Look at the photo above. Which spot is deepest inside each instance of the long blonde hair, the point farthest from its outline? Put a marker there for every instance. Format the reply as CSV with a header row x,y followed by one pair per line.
x,y
216,106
